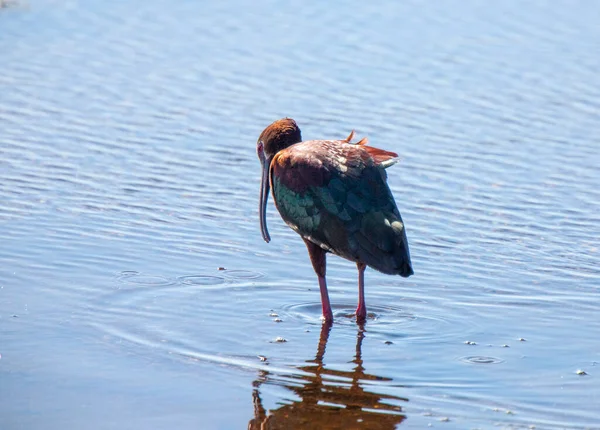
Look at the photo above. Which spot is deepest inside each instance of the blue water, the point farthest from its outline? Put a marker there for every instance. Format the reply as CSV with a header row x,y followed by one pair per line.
x,y
135,288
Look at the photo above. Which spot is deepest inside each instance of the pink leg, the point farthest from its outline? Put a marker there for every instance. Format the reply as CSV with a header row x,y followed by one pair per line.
x,y
326,305
317,258
361,310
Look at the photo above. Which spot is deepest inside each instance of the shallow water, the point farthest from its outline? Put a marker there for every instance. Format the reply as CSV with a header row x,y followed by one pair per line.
x,y
136,291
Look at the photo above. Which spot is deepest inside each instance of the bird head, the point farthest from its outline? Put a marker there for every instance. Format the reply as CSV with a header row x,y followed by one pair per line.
x,y
276,137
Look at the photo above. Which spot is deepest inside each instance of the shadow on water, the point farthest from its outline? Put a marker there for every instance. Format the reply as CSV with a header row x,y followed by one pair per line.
x,y
329,398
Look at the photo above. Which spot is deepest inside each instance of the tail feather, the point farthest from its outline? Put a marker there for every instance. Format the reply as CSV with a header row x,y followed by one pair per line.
x,y
386,249
403,265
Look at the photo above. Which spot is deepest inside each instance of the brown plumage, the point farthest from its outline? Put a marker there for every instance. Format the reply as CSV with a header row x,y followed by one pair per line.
x,y
335,195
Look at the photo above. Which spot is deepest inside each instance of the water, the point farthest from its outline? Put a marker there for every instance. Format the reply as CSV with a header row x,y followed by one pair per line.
x,y
136,291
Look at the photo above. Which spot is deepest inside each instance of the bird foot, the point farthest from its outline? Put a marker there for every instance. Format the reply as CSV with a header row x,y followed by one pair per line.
x,y
361,314
327,317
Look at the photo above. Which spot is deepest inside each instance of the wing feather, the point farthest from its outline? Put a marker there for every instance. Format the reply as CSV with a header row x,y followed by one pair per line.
x,y
336,195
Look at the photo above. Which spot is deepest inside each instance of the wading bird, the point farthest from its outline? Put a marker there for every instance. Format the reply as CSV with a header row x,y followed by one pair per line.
x,y
334,194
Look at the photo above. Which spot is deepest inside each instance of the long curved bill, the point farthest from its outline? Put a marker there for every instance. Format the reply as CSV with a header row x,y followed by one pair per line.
x,y
264,195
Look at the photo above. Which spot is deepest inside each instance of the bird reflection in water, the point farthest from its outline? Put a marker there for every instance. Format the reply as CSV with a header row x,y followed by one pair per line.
x,y
329,398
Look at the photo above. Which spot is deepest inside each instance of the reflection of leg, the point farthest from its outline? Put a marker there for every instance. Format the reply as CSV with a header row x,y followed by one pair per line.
x,y
259,412
317,258
361,310
325,330
360,335
359,370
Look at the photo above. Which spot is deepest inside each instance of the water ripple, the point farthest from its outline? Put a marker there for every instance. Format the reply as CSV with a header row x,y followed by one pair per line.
x,y
481,359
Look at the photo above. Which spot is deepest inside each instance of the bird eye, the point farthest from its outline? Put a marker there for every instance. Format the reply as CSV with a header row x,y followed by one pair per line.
x,y
259,147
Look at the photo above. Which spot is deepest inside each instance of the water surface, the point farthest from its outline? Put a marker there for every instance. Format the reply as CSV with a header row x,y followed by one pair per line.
x,y
136,291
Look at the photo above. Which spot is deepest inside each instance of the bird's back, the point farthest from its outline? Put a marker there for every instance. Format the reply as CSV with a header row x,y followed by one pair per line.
x,y
335,194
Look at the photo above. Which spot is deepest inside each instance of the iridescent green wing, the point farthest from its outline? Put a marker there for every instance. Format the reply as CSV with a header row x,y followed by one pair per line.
x,y
335,194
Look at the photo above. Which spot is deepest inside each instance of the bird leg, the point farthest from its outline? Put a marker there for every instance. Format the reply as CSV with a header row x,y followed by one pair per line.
x,y
317,258
361,310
